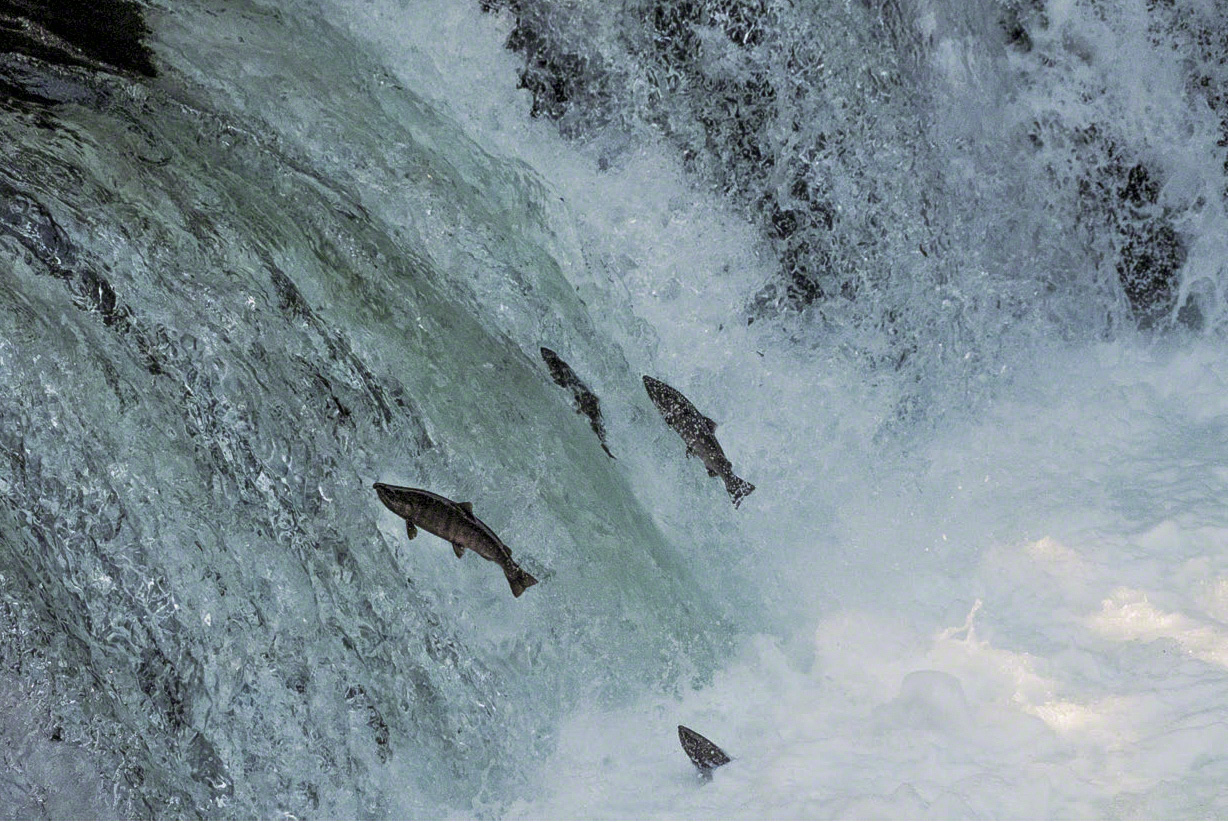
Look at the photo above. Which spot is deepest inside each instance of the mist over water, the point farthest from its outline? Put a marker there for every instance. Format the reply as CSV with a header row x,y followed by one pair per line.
x,y
949,276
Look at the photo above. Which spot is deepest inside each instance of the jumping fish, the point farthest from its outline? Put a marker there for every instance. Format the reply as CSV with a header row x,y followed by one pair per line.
x,y
703,752
583,400
699,434
455,522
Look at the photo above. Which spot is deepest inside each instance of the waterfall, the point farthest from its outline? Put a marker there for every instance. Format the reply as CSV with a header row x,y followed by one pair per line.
x,y
948,276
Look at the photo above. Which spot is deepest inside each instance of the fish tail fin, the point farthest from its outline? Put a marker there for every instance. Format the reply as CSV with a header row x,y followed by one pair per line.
x,y
739,489
520,579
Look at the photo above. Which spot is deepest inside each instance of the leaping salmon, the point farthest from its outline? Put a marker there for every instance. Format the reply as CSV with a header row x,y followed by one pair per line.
x,y
582,398
454,522
699,434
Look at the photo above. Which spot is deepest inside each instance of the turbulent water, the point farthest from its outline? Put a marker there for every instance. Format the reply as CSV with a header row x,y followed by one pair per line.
x,y
949,274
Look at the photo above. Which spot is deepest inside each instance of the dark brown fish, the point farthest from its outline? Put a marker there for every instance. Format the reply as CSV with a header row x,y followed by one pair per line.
x,y
699,434
582,399
455,522
703,752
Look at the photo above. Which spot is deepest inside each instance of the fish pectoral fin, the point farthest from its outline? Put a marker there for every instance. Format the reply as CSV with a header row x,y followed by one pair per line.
x,y
710,424
467,507
410,530
458,549
712,473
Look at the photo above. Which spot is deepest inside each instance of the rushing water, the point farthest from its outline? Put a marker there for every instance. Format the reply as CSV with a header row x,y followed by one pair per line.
x,y
949,274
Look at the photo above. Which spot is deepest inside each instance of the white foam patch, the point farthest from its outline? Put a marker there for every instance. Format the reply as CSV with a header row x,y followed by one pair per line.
x,y
1127,615
881,722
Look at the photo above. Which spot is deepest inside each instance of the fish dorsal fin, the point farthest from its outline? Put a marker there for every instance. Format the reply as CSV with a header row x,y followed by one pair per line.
x,y
710,424
467,507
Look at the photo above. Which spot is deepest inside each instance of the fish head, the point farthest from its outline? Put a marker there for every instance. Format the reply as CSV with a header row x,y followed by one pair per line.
x,y
396,499
658,392
560,371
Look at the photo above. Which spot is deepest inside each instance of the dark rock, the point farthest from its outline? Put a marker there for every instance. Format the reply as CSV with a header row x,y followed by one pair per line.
x,y
78,32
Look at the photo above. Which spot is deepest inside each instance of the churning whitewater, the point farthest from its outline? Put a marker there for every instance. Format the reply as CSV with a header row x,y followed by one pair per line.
x,y
949,274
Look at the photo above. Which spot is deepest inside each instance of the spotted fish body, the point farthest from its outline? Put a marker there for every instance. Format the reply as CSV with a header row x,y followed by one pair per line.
x,y
703,752
454,522
583,400
699,434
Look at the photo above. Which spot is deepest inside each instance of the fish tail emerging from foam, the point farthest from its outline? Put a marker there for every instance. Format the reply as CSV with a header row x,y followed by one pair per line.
x,y
703,752
519,579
